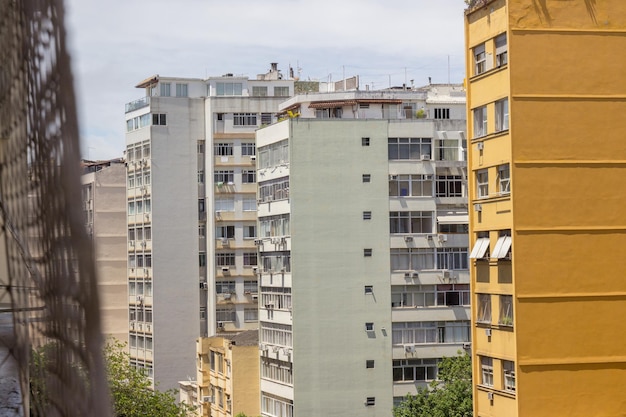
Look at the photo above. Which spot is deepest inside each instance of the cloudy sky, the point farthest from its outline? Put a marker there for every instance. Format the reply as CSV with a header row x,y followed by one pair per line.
x,y
115,44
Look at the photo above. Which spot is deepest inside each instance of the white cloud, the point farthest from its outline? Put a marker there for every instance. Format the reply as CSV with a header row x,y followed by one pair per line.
x,y
118,43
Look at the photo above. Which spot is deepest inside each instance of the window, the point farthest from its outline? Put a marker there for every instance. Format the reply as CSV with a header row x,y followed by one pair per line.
x,y
449,150
248,149
277,189
369,289
502,115
480,121
480,249
506,310
274,407
225,287
274,154
225,259
202,259
508,371
480,59
201,176
486,371
250,259
244,119
131,234
416,296
146,178
165,89
367,252
249,204
200,146
281,91
367,215
259,91
276,261
442,113
248,177
452,258
227,232
201,207
504,179
266,118
224,177
411,222
278,297
482,184
501,50
181,90
369,401
276,334
229,89
410,370
484,308
224,315
449,186
412,259
274,226
202,231
223,149
131,207
369,363
251,287
250,314
159,119
411,185
502,250
131,181
369,327
365,141
249,231
146,150
409,148
224,204
367,177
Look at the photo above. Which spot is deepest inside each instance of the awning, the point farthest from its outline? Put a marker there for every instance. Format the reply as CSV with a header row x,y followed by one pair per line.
x,y
503,245
148,81
331,104
480,248
453,219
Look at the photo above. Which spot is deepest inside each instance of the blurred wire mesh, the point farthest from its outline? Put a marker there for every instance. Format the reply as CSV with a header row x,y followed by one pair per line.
x,y
50,342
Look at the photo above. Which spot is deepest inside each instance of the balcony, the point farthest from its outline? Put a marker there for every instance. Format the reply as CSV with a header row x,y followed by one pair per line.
x,y
137,104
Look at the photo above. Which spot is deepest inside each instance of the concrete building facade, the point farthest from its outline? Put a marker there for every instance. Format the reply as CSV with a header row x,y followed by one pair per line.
x,y
192,213
363,248
546,163
104,205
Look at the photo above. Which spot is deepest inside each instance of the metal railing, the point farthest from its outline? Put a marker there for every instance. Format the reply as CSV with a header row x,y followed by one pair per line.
x,y
137,104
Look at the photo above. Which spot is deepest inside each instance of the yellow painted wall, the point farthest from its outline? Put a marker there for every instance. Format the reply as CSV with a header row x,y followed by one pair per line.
x,y
566,144
245,380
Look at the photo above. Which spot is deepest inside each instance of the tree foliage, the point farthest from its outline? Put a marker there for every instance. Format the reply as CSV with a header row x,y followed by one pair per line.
x,y
450,396
131,393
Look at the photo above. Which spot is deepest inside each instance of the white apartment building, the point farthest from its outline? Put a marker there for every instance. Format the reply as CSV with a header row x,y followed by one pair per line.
x,y
192,213
363,268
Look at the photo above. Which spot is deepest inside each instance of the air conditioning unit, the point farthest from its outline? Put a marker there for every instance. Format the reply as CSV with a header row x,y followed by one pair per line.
x,y
478,207
409,349
146,272
446,274
139,298
255,269
283,269
283,240
393,177
204,285
247,292
253,157
488,332
442,238
425,158
261,346
467,345
276,241
226,296
275,349
490,396
480,146
143,243
225,269
408,238
220,325
429,237
148,328
132,325
132,243
147,216
224,241
255,296
208,399
258,242
407,275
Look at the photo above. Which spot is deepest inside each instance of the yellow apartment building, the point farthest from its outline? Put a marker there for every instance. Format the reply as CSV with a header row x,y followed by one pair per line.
x,y
228,375
546,94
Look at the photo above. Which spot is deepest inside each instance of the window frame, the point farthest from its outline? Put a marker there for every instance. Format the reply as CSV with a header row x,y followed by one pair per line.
x,y
482,183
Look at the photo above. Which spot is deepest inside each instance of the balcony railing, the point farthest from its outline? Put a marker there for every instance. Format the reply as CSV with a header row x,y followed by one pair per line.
x,y
137,104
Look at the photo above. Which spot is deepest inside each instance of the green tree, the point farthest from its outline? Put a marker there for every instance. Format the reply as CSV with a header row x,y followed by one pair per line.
x,y
450,396
131,393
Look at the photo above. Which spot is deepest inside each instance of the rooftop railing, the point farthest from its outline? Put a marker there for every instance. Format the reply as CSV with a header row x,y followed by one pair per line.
x,y
137,104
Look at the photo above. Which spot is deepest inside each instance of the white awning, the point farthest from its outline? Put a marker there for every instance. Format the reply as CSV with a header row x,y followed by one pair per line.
x,y
502,247
480,248
453,219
